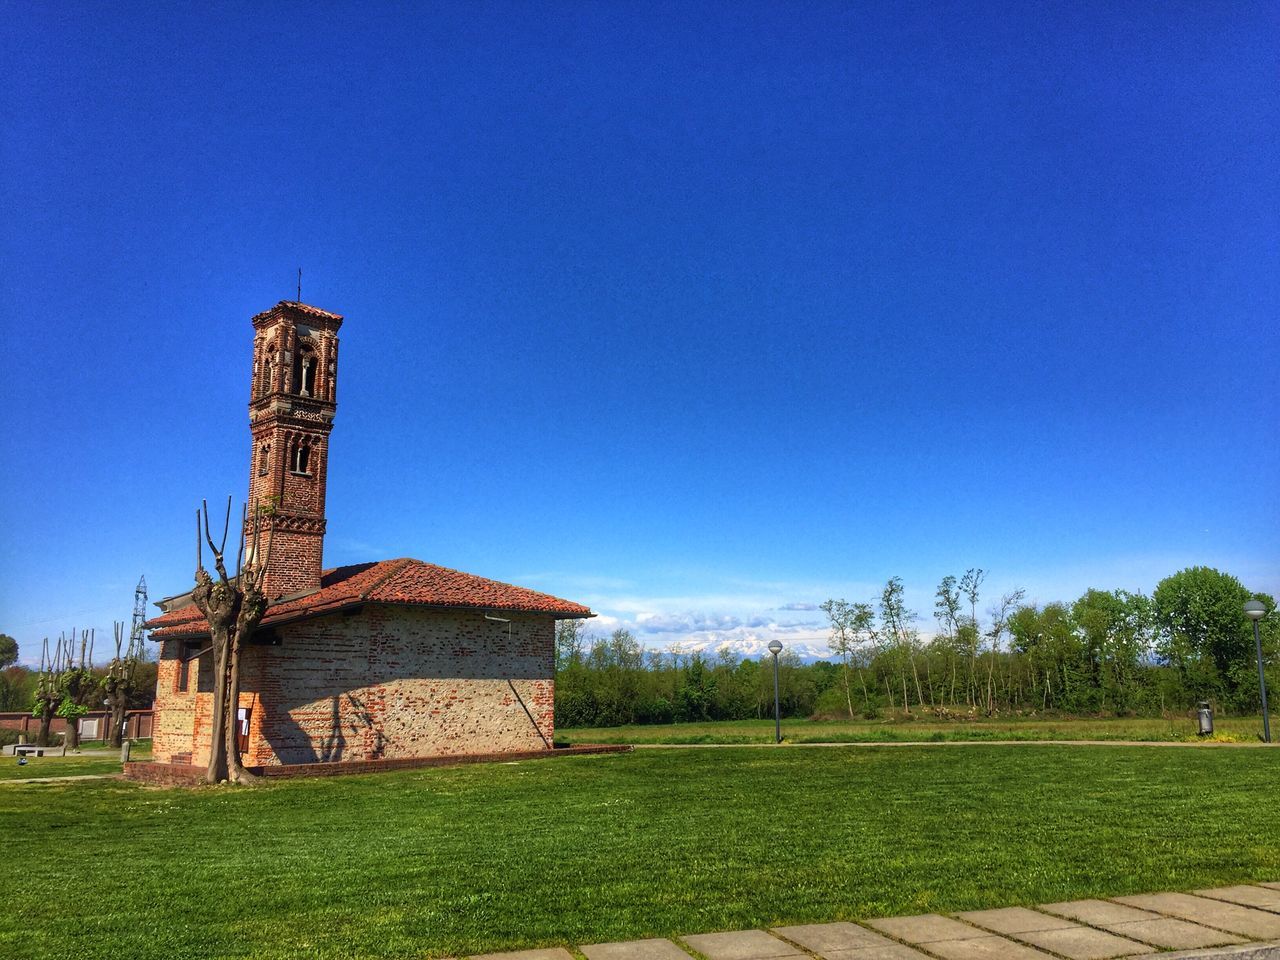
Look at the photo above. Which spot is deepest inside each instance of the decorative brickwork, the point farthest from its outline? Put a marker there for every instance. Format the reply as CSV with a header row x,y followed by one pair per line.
x,y
292,402
386,682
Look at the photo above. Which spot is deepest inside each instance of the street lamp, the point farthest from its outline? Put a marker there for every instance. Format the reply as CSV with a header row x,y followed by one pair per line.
x,y
1255,611
776,648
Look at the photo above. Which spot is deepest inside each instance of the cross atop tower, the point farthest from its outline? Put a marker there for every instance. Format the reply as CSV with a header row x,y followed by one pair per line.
x,y
291,408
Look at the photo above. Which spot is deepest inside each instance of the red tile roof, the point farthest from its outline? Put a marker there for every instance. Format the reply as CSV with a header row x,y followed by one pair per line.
x,y
403,581
301,308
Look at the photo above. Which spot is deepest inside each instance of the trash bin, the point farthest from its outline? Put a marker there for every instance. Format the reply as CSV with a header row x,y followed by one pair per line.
x,y
1204,717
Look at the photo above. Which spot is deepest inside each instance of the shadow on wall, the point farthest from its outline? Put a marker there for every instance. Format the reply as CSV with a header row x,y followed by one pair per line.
x,y
334,744
339,686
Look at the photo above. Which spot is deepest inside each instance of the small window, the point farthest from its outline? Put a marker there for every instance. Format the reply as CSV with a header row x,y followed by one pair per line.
x,y
264,460
302,457
186,654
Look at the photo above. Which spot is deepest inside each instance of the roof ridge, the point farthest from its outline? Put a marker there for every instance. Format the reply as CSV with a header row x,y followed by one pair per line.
x,y
395,570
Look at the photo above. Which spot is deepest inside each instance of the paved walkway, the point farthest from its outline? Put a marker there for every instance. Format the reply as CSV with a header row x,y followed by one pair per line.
x,y
68,779
1193,744
1241,922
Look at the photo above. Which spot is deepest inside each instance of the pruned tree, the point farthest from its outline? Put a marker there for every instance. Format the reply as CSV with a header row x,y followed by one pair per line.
x,y
76,684
233,608
47,698
119,683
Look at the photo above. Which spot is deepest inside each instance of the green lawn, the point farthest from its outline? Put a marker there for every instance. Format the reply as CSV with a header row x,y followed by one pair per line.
x,y
98,760
916,731
584,849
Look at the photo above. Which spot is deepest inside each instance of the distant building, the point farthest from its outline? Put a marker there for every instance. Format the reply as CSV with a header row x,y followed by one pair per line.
x,y
382,660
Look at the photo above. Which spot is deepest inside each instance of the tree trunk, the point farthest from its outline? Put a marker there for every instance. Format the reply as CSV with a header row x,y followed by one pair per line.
x,y
216,771
236,771
46,718
118,707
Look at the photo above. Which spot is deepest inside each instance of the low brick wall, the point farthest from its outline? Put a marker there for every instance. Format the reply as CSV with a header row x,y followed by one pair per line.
x,y
179,774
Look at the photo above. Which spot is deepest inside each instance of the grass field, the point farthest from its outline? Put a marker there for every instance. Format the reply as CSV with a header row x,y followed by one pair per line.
x,y
916,731
584,849
97,760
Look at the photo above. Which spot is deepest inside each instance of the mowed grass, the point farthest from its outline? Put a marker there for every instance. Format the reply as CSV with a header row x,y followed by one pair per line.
x,y
577,850
97,760
900,730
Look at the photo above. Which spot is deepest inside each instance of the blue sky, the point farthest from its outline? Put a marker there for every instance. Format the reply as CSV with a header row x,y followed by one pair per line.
x,y
698,313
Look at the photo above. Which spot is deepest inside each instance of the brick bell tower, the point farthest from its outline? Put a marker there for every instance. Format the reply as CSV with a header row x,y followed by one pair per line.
x,y
291,409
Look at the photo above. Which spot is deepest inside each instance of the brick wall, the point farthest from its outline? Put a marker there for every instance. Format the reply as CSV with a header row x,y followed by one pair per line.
x,y
384,683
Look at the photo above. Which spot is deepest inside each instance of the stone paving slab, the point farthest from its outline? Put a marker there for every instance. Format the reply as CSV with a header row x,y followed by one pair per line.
x,y
1245,921
826,938
1246,895
886,951
1015,920
983,948
1174,934
1083,943
547,953
1098,913
741,945
927,928
634,950
1253,951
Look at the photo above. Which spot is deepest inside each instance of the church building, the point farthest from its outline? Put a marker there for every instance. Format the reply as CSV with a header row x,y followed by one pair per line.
x,y
385,660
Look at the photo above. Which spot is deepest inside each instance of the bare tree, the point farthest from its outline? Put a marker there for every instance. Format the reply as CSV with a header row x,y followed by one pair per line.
x,y
233,608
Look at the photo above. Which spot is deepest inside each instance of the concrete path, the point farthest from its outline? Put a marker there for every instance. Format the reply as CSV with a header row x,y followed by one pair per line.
x,y
1240,922
1193,744
78,776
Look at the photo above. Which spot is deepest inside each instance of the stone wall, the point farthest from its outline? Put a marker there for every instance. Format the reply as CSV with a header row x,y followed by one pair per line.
x,y
383,683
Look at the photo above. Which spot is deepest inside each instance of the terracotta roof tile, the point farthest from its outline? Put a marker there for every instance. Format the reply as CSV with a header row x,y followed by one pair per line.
x,y
402,581
301,308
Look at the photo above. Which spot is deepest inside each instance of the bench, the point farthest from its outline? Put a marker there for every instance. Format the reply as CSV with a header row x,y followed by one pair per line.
x,y
28,750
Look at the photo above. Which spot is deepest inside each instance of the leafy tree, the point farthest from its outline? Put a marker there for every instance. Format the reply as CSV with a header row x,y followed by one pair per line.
x,y
851,625
8,651
1204,635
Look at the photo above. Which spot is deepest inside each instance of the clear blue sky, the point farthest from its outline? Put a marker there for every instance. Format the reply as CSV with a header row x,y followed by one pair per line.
x,y
693,312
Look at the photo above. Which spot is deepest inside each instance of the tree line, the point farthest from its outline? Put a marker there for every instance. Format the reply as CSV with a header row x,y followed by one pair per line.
x,y
1107,652
68,685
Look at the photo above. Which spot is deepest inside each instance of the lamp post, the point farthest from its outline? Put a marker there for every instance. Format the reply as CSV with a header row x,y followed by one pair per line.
x,y
1255,611
776,648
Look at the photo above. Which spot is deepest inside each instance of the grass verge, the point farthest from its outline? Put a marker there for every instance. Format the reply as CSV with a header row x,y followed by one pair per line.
x,y
578,850
1150,729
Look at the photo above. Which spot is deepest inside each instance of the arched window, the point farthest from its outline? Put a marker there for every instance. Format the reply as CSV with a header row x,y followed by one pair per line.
x,y
266,368
302,457
264,459
304,371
